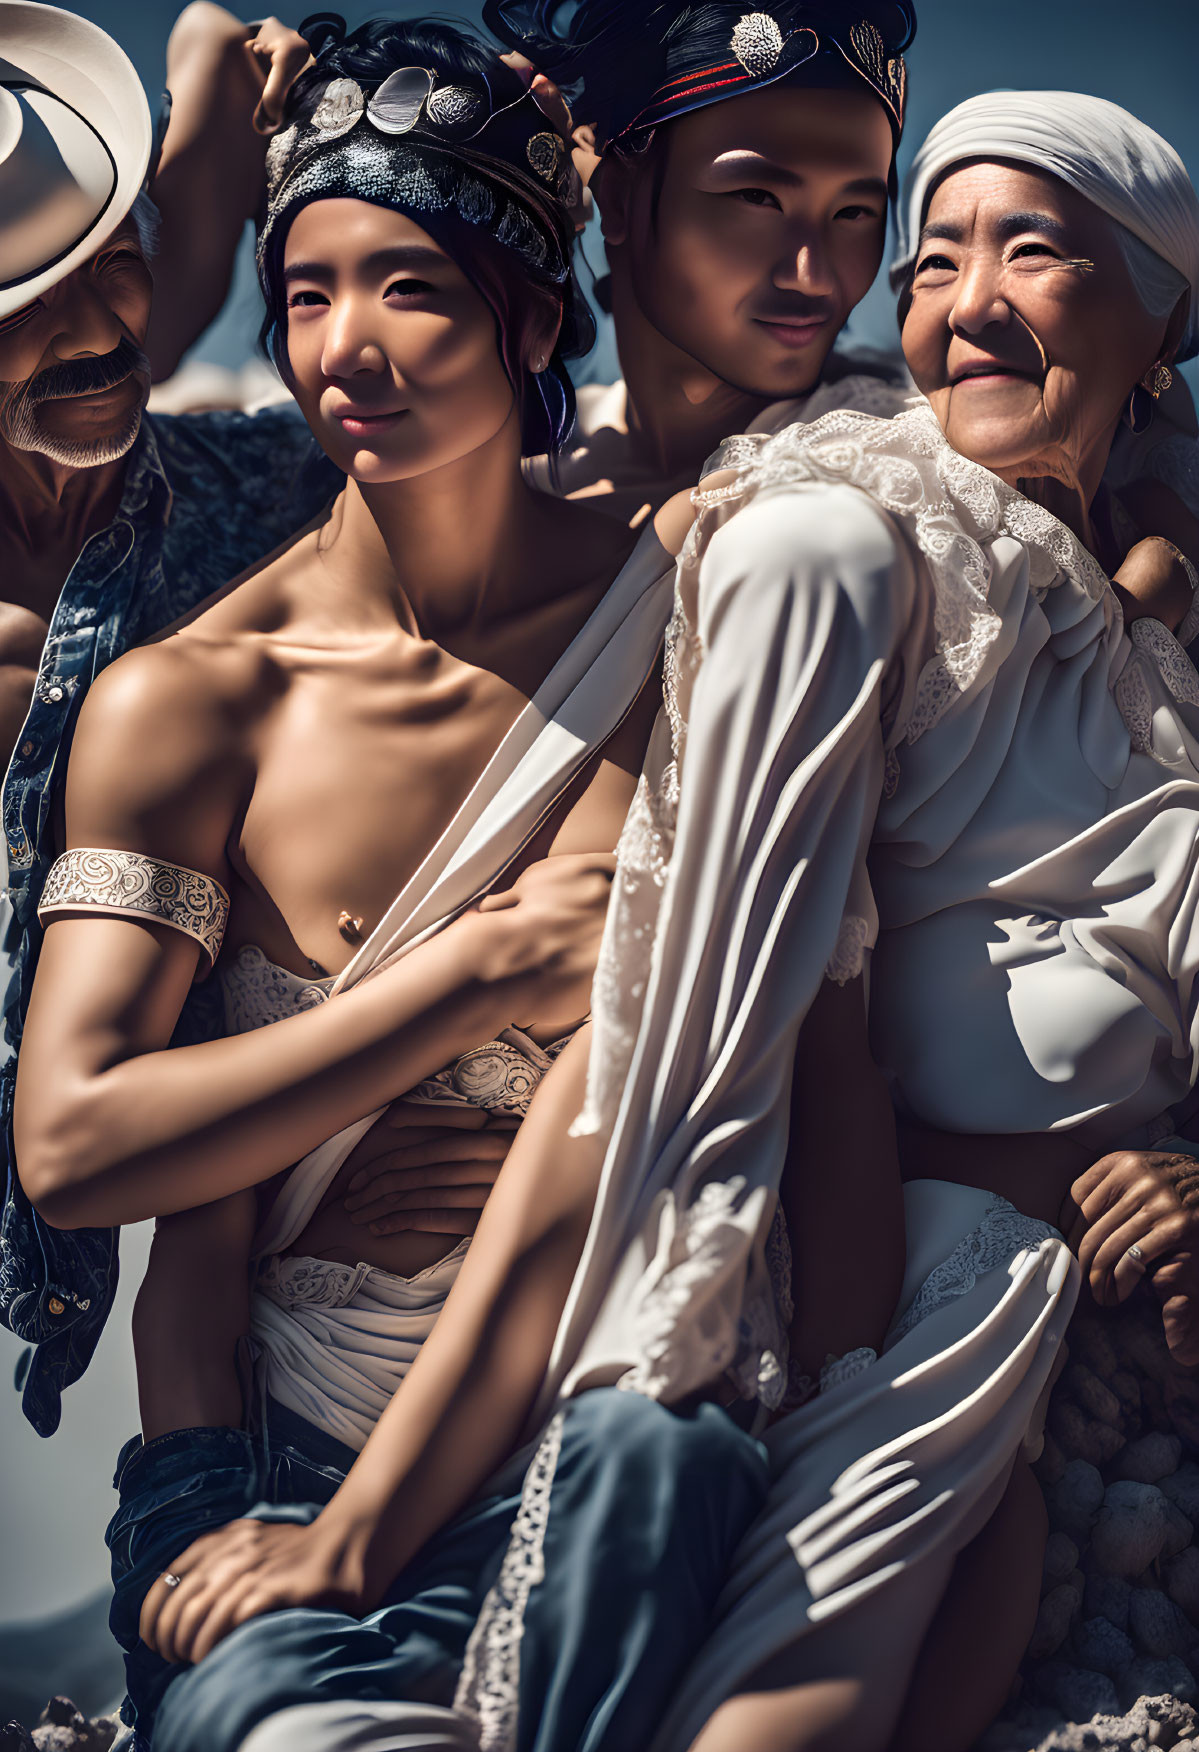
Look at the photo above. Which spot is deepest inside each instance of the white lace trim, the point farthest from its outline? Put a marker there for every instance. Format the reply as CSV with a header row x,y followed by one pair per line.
x,y
849,956
1000,1236
704,1235
1190,620
949,506
289,1279
489,1686
257,991
1132,697
501,1076
1177,670
760,1370
835,1371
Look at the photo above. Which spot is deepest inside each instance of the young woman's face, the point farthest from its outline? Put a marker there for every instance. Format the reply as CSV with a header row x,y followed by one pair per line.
x,y
1024,330
393,352
764,229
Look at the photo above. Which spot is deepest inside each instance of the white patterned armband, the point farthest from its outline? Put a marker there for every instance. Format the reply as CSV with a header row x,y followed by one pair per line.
x,y
130,885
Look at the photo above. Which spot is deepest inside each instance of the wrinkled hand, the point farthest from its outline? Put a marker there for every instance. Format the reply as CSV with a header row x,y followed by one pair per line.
x,y
424,1168
279,55
1150,1200
1154,582
248,1568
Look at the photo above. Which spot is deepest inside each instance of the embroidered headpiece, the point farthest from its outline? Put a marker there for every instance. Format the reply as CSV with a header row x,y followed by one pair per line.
x,y
641,66
421,144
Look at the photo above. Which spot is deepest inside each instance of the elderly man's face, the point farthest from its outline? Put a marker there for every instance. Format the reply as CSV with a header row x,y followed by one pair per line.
x,y
73,376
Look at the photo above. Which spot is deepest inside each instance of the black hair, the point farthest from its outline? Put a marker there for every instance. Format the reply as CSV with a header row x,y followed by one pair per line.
x,y
515,289
611,56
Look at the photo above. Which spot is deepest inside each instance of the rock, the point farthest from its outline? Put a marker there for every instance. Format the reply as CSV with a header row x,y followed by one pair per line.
x,y
1151,1679
1164,1713
1107,1597
1130,1529
1182,1409
1144,1346
1181,1576
1091,1342
1183,1489
1056,1614
1179,1531
1074,1501
1051,1463
1083,1437
15,1738
1088,1392
1061,1559
1127,1390
1156,1625
1079,1693
63,1728
1099,1645
1154,1457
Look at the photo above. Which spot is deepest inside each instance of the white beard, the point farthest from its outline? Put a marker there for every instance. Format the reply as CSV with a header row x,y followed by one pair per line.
x,y
21,427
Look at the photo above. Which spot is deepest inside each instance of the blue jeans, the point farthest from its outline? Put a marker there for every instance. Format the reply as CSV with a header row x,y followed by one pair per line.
x,y
189,1482
646,1508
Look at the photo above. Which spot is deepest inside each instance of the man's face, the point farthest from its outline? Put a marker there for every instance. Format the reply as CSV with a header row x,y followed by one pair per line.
x,y
767,229
73,376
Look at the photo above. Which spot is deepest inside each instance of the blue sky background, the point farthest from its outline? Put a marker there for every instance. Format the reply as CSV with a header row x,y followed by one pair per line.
x,y
1145,57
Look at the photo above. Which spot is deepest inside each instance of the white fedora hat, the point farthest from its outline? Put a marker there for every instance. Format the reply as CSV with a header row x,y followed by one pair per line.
x,y
75,140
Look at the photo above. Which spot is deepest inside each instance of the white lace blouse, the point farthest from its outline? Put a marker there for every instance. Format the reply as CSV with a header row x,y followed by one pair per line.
x,y
927,728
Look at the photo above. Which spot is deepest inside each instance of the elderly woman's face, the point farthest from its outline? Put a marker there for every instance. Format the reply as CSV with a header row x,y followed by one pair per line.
x,y
1024,329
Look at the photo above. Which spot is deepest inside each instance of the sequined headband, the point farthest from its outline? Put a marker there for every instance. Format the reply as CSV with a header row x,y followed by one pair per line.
x,y
764,47
417,152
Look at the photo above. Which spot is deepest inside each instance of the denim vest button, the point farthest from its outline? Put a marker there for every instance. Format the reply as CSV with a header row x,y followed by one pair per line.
x,y
56,1305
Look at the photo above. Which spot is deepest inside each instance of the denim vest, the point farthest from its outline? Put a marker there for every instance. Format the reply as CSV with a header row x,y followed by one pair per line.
x,y
205,496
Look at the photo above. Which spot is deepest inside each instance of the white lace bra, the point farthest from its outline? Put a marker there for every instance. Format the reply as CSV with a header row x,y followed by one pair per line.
x,y
500,1076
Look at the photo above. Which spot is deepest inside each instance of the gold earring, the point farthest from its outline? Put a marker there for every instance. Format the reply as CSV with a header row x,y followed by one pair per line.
x,y
1157,380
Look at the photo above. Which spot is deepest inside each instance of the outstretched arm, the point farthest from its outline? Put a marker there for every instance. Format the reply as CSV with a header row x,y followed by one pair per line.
x,y
456,1416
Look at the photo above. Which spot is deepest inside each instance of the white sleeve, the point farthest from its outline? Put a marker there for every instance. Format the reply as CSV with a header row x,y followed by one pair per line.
x,y
806,603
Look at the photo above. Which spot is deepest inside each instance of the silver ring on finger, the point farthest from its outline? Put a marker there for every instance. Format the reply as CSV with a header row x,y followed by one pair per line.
x,y
1134,1253
172,1581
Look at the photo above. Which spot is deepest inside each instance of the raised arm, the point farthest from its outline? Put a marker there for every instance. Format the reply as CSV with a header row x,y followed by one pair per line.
x,y
223,76
112,1126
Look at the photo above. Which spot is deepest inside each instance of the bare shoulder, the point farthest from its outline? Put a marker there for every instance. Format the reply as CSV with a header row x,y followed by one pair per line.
x,y
160,756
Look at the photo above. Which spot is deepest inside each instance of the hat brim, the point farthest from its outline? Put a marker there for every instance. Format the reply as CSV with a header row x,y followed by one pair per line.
x,y
81,64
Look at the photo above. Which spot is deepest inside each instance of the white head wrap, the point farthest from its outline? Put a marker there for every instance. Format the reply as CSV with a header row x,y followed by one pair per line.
x,y
1113,160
